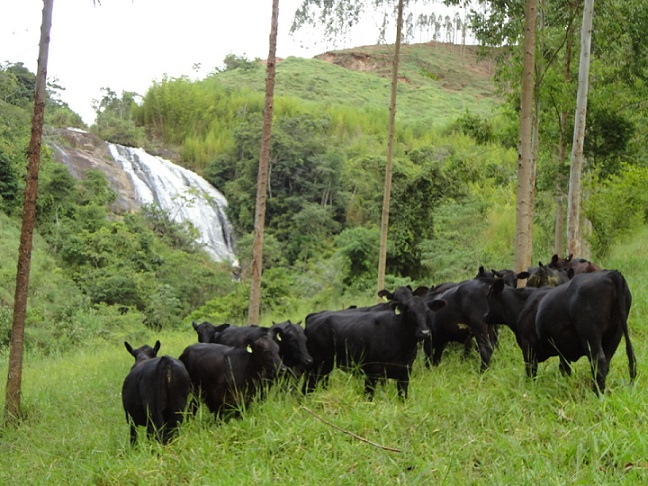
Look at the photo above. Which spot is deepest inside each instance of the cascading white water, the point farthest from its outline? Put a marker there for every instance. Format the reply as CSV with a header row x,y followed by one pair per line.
x,y
184,195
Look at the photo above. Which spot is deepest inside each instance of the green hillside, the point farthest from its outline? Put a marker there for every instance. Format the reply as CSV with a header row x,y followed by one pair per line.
x,y
437,82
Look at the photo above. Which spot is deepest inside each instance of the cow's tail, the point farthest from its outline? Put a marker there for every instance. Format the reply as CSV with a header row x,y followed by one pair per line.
x,y
164,383
624,300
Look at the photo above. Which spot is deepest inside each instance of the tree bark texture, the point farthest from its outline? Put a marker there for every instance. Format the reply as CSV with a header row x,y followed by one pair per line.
x,y
384,222
16,346
262,178
577,160
526,170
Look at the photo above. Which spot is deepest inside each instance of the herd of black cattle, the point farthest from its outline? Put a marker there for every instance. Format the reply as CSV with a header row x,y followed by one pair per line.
x,y
569,308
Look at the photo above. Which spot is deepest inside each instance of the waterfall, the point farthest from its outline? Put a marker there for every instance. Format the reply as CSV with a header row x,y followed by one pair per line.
x,y
184,195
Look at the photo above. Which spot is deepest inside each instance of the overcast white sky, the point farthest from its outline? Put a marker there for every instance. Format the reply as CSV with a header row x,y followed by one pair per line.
x,y
127,44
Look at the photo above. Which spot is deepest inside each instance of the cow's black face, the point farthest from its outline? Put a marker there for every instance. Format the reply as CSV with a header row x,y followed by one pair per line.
x,y
292,345
207,331
415,313
266,353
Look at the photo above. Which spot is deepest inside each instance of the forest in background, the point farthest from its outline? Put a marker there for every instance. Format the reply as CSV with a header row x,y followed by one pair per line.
x,y
453,201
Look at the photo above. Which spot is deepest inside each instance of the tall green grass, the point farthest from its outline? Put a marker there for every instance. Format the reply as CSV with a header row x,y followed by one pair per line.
x,y
457,426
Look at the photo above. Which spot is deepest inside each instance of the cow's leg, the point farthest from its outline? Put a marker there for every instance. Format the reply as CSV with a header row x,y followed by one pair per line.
x,y
370,385
318,373
600,368
427,349
438,352
530,363
195,397
133,433
468,347
402,384
565,367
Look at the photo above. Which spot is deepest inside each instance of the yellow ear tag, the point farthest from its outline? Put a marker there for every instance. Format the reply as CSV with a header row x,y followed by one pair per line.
x,y
249,349
278,337
397,311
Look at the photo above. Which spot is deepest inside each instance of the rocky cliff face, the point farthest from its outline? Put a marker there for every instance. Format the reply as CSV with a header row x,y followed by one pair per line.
x,y
81,151
138,178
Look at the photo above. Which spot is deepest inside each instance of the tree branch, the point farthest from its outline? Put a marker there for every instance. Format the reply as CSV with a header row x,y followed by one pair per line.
x,y
391,449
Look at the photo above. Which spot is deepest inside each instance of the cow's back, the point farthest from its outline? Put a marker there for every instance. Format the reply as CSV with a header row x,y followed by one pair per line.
x,y
592,307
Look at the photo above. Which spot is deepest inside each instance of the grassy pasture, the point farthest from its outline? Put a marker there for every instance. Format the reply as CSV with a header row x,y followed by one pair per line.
x,y
457,427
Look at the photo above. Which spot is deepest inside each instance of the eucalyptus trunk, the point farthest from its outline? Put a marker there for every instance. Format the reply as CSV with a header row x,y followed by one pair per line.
x,y
526,169
574,198
262,178
560,230
384,223
16,348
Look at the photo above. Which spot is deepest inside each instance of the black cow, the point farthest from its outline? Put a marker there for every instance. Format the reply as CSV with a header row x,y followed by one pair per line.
x,y
510,277
546,275
155,393
227,378
577,265
462,318
380,340
207,331
289,336
585,317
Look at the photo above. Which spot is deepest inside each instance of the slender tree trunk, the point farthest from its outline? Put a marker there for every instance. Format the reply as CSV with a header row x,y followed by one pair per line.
x,y
574,198
262,178
384,224
560,230
14,376
526,170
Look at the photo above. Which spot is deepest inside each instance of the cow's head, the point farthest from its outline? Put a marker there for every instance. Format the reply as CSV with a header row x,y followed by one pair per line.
x,y
412,309
143,352
292,345
265,352
207,331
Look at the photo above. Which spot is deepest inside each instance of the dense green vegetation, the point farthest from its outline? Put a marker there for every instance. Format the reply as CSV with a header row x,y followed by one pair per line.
x,y
452,203
100,278
457,426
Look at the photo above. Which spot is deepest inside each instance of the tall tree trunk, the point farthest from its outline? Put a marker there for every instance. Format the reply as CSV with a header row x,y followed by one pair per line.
x,y
559,236
384,223
14,376
262,178
526,170
574,198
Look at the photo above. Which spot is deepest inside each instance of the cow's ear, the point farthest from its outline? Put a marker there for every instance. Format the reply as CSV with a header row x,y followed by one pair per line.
x,y
195,325
221,327
156,348
498,285
523,275
421,291
385,294
570,273
129,348
437,304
